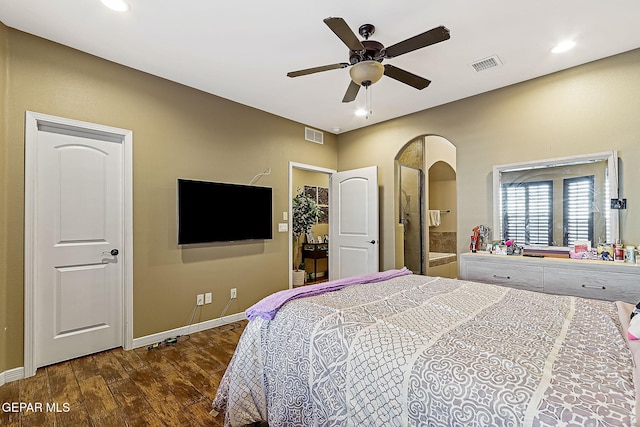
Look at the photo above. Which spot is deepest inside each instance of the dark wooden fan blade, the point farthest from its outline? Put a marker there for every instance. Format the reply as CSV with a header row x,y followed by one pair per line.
x,y
436,35
406,77
352,92
342,30
317,69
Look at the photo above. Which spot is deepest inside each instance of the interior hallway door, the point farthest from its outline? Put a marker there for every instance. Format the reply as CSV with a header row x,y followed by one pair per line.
x,y
78,235
353,223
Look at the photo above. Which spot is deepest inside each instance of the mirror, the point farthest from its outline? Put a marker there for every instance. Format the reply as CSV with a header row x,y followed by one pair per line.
x,y
554,202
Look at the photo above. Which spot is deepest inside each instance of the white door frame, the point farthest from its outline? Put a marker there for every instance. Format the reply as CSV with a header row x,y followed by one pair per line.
x,y
306,167
32,122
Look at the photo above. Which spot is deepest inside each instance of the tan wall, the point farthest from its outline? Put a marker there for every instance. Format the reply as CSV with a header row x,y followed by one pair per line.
x,y
177,132
440,150
4,302
442,196
591,108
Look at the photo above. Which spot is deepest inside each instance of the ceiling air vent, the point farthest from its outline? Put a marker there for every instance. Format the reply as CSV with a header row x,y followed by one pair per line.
x,y
313,135
485,64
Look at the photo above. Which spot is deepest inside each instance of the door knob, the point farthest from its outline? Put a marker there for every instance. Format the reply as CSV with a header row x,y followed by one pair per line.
x,y
373,242
114,252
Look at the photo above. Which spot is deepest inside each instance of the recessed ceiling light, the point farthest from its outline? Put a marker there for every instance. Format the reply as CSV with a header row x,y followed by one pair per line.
x,y
337,130
563,46
117,5
361,112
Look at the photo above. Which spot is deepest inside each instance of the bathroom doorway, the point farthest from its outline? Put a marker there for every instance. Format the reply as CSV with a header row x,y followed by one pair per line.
x,y
426,203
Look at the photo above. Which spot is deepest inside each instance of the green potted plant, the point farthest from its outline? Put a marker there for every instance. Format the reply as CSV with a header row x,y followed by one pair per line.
x,y
304,214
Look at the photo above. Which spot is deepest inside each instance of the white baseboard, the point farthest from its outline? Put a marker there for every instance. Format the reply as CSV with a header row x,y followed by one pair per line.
x,y
14,374
202,326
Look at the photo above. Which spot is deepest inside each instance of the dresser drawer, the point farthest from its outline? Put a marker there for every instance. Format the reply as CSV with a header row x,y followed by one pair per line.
x,y
585,283
515,276
609,281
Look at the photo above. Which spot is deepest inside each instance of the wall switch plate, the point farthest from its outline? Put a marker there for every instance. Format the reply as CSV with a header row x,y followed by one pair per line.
x,y
208,298
285,216
234,293
200,299
283,227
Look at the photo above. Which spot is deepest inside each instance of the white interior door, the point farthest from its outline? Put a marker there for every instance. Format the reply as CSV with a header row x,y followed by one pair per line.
x,y
78,237
353,223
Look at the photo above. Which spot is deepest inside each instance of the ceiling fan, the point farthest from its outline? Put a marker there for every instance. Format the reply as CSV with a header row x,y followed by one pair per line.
x,y
365,56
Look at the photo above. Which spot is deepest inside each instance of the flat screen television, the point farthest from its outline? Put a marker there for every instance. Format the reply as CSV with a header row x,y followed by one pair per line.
x,y
221,212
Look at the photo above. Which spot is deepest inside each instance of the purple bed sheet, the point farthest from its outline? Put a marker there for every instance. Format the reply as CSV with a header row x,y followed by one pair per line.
x,y
269,306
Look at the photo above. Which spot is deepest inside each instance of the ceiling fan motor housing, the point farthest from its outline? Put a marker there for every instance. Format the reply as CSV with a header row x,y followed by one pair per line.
x,y
371,52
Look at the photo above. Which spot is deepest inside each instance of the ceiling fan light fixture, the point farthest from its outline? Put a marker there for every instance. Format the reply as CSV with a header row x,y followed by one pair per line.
x,y
117,5
366,73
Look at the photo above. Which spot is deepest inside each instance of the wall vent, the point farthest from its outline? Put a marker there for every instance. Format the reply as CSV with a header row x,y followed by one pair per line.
x,y
313,135
485,64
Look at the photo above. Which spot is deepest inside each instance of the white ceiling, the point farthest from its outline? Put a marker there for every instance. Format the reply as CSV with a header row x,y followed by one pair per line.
x,y
242,50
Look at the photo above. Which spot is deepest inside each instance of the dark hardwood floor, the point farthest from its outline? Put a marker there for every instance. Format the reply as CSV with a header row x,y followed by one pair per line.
x,y
171,385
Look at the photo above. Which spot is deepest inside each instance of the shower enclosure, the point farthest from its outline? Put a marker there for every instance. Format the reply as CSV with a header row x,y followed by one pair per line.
x,y
411,217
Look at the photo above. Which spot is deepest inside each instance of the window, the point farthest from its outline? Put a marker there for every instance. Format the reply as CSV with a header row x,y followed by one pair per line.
x,y
527,213
578,209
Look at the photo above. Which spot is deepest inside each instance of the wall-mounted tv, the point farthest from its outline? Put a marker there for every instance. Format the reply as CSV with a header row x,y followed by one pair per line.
x,y
221,212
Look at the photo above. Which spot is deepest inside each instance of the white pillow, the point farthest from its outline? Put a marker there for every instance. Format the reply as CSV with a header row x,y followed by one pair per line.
x,y
634,328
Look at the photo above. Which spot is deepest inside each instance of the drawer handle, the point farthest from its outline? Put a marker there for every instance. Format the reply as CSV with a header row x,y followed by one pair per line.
x,y
593,287
495,276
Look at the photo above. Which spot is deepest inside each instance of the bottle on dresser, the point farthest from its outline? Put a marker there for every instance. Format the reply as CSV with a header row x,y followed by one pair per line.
x,y
618,251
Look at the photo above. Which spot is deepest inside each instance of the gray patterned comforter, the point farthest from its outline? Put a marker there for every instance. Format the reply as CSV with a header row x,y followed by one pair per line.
x,y
427,351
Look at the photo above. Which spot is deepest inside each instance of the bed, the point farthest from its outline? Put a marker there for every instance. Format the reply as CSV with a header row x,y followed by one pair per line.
x,y
414,350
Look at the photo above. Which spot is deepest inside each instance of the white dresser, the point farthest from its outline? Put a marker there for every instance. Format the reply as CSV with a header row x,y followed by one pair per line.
x,y
606,280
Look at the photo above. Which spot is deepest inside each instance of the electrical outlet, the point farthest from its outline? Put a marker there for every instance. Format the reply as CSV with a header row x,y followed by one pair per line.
x,y
234,293
200,299
207,298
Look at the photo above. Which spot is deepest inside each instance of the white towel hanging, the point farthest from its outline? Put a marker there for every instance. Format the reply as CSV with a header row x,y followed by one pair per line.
x,y
433,218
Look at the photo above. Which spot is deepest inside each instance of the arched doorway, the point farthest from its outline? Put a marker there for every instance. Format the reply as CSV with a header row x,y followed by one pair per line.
x,y
427,206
